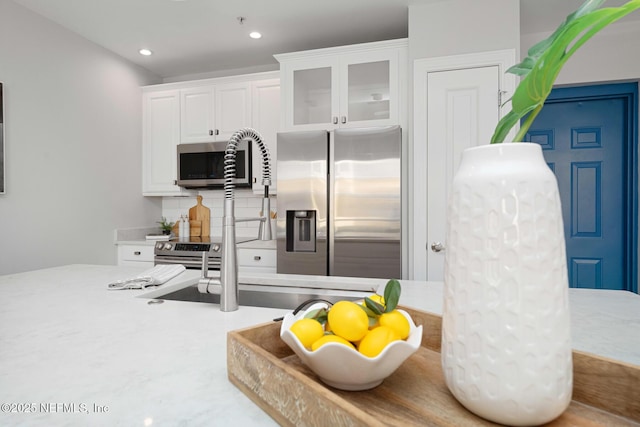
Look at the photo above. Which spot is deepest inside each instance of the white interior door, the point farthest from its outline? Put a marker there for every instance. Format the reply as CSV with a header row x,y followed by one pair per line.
x,y
455,106
462,111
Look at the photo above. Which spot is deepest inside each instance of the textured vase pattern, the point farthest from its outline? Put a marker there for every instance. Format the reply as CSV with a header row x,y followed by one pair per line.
x,y
506,350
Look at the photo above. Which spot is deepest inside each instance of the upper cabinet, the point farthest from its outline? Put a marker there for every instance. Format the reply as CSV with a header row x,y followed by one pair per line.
x,y
214,112
160,137
204,111
349,86
266,120
197,120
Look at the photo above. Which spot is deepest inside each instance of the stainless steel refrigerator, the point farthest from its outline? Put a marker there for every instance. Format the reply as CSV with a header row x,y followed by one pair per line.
x,y
339,202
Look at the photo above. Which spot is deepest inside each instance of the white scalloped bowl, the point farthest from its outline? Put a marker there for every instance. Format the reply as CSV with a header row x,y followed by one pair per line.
x,y
344,368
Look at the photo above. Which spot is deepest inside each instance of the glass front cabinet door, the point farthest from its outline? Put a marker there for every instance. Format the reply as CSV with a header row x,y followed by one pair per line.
x,y
314,98
352,86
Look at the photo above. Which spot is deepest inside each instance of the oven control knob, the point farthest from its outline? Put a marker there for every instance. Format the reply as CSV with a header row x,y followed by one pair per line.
x,y
167,246
215,247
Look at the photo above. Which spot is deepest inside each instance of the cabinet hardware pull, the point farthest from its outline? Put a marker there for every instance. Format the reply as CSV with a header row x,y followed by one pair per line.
x,y
136,253
217,132
257,258
335,120
210,132
344,119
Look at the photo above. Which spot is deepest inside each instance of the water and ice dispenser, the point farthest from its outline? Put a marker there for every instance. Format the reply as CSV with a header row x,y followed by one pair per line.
x,y
301,231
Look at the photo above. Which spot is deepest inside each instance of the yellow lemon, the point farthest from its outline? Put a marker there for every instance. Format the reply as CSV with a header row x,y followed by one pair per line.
x,y
348,320
396,321
327,326
330,338
307,330
376,340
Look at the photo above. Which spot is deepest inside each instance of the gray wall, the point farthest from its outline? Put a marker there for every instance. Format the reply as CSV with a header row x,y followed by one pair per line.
x,y
457,27
73,146
611,55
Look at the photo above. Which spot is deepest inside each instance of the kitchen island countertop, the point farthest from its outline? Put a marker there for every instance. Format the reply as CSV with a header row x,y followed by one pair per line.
x,y
74,353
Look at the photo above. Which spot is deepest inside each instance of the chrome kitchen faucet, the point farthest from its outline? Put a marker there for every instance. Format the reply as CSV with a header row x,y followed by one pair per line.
x,y
227,285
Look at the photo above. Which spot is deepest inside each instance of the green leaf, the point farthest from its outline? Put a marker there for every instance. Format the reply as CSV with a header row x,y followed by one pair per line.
x,y
374,306
373,321
546,58
319,314
372,316
370,313
391,295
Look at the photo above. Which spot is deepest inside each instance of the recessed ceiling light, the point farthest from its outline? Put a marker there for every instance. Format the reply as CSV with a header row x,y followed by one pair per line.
x,y
145,52
255,35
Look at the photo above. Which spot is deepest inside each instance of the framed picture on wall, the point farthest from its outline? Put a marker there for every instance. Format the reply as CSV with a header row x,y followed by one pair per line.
x,y
2,182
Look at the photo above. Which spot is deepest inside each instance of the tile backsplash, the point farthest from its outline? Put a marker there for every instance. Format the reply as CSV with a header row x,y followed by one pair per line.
x,y
247,205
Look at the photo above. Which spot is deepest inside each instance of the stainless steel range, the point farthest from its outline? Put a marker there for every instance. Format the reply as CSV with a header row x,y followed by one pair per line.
x,y
188,252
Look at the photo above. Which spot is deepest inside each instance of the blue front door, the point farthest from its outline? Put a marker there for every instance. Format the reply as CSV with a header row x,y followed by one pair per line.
x,y
587,138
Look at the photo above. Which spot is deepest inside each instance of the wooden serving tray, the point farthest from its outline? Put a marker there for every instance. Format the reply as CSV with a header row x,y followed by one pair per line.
x,y
261,365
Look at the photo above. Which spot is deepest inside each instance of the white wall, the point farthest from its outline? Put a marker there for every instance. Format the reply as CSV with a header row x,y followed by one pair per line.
x,y
73,146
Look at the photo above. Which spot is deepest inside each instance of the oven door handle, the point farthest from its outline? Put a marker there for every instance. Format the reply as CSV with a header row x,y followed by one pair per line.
x,y
193,262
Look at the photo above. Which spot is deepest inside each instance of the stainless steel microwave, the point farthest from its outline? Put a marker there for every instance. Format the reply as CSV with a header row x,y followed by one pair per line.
x,y
201,165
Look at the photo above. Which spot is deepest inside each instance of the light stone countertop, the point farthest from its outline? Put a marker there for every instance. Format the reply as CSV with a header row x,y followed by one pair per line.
x,y
68,343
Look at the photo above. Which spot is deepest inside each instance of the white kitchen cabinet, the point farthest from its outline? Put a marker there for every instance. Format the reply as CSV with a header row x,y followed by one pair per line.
x,y
135,255
215,112
188,112
251,260
348,86
160,137
265,119
197,119
233,108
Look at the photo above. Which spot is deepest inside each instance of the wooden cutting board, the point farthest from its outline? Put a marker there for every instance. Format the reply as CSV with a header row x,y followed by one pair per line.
x,y
200,219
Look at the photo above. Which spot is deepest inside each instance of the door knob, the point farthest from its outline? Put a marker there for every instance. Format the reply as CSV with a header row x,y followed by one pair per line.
x,y
437,247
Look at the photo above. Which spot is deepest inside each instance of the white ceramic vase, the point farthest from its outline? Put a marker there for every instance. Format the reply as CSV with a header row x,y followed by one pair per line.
x,y
506,348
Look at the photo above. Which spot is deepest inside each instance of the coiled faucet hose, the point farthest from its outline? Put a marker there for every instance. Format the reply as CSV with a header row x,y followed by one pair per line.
x,y
230,159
